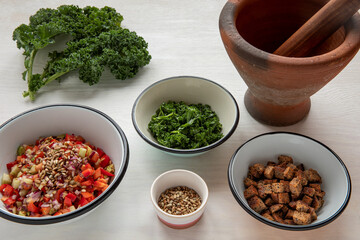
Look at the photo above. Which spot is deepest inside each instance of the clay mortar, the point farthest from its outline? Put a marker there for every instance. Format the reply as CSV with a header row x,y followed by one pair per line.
x,y
279,88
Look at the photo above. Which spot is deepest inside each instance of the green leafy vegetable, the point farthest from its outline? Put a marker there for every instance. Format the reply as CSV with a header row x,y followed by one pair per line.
x,y
97,41
182,126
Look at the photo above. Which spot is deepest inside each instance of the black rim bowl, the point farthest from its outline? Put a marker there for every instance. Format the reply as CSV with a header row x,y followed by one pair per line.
x,y
88,207
185,151
257,216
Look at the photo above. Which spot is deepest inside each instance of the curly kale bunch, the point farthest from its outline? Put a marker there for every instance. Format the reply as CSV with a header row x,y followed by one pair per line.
x,y
97,41
182,126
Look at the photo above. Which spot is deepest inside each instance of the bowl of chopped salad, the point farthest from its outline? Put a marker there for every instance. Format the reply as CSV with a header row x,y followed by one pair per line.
x,y
54,166
185,115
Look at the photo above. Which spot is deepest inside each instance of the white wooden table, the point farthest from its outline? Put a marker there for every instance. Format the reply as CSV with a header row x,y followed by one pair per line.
x,y
183,39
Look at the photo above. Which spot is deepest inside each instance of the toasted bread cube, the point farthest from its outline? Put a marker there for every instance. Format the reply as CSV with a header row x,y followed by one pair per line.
x,y
308,200
269,172
283,198
257,204
250,192
312,175
248,182
275,208
319,194
308,191
302,206
285,209
313,214
267,215
300,167
295,187
269,202
289,173
316,186
278,187
289,222
317,203
292,204
257,170
284,159
277,217
264,190
279,172
301,176
301,218
286,185
269,181
271,163
289,214
275,197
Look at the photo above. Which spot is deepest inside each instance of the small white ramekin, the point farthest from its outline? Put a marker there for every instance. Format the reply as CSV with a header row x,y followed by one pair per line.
x,y
174,178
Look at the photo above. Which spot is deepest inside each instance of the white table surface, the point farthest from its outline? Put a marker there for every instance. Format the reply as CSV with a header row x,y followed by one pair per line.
x,y
183,39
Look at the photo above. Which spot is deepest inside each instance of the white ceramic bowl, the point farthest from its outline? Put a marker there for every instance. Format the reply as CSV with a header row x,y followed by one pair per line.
x,y
174,178
95,126
191,90
312,153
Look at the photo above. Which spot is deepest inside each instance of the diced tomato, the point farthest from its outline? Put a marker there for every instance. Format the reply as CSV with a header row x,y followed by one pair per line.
x,y
9,201
95,157
40,155
46,199
71,196
87,183
58,194
78,178
70,137
87,195
88,172
8,190
32,208
45,210
104,160
103,171
80,139
57,213
87,166
67,201
83,201
97,173
100,185
11,164
2,187
100,152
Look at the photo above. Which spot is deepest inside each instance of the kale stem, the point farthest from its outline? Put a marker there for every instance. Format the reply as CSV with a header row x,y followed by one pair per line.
x,y
30,75
53,77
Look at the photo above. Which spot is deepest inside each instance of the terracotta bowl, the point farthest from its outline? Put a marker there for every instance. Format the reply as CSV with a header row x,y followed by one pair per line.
x,y
279,88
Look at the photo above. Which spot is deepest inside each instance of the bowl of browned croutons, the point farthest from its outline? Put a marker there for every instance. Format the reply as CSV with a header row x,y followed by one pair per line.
x,y
289,181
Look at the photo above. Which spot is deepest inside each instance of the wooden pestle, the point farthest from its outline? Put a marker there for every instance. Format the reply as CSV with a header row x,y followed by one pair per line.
x,y
319,27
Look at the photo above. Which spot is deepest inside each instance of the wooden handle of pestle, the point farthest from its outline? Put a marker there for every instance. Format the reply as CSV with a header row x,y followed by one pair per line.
x,y
319,27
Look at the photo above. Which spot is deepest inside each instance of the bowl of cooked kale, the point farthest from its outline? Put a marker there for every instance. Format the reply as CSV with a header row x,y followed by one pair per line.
x,y
58,162
185,115
289,181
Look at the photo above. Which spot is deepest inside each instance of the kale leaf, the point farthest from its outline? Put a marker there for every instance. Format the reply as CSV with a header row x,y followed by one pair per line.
x,y
97,41
182,126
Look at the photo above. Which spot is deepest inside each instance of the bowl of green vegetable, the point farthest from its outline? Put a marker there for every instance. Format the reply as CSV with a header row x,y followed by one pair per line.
x,y
185,115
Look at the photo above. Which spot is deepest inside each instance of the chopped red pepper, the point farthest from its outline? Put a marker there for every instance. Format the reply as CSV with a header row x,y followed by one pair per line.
x,y
71,196
97,173
87,172
67,202
10,165
103,171
8,190
32,208
83,201
100,152
58,194
104,160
